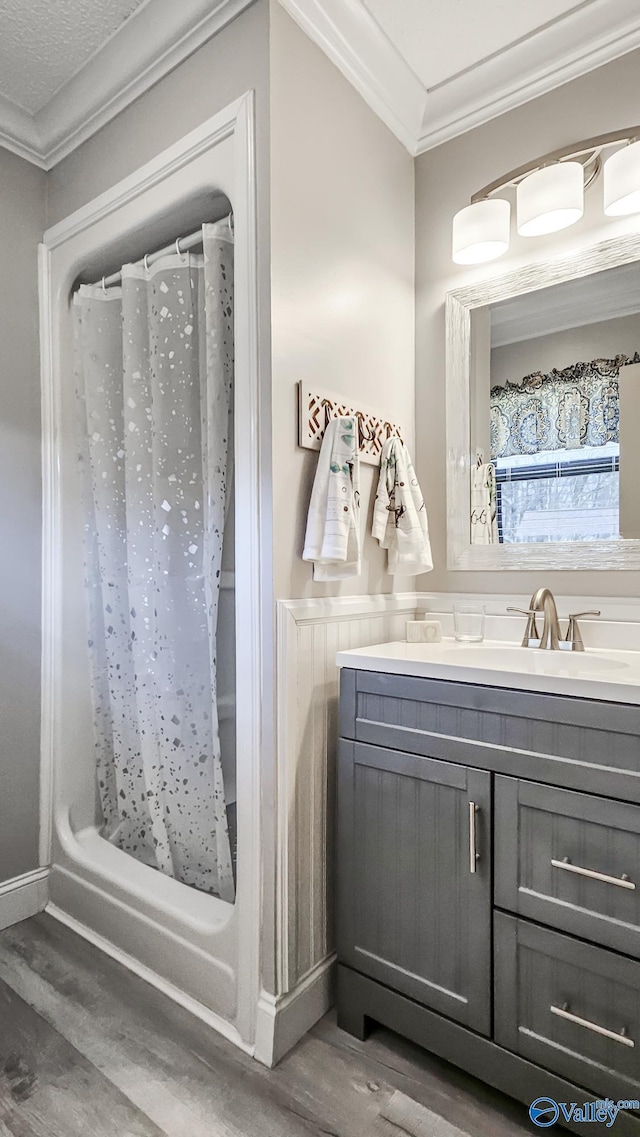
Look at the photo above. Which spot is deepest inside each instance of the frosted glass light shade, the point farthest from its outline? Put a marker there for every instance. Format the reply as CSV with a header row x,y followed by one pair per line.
x,y
481,231
550,199
622,181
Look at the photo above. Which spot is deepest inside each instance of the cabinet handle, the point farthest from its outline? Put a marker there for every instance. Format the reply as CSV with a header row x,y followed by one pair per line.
x,y
564,1013
619,881
474,856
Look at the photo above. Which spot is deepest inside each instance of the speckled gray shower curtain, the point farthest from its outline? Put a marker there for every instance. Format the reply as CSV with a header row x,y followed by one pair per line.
x,y
154,374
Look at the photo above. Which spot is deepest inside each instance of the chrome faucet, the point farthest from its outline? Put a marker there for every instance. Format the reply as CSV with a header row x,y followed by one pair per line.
x,y
550,640
543,601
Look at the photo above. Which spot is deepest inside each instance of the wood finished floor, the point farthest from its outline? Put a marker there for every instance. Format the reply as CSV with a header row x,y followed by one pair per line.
x,y
89,1050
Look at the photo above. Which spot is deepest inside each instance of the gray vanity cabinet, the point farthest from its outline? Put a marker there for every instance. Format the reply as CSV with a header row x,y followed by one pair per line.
x,y
414,909
488,881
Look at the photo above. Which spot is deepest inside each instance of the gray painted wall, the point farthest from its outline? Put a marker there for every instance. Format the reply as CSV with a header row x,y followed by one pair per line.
x,y
21,224
446,177
342,283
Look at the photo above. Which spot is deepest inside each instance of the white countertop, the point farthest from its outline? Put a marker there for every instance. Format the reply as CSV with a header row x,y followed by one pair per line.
x,y
611,675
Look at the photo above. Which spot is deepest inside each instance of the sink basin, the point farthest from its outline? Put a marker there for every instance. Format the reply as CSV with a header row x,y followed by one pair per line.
x,y
533,660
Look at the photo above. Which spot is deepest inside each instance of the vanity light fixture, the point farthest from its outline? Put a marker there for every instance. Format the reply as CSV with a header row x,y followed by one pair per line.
x,y
622,181
549,195
550,199
481,231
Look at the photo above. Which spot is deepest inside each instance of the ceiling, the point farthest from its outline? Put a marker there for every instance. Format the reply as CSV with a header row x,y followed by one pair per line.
x,y
44,42
69,66
439,40
430,69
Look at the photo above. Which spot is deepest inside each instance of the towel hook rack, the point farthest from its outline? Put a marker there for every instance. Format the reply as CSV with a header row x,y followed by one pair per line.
x,y
316,409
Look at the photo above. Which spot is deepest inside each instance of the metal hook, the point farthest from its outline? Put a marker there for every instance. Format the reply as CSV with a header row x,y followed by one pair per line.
x,y
363,436
326,403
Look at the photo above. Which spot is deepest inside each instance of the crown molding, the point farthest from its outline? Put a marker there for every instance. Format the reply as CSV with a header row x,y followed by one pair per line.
x,y
589,36
565,49
153,41
354,41
18,132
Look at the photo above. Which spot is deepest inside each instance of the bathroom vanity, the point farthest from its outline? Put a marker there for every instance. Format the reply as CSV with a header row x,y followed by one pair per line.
x,y
489,864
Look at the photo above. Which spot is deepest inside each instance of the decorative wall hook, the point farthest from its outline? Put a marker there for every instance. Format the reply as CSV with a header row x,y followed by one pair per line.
x,y
316,409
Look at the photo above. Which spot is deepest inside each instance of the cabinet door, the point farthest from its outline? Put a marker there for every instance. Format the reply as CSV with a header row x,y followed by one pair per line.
x,y
414,878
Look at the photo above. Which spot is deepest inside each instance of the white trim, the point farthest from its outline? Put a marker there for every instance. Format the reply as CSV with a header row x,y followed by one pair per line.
x,y
283,1020
192,1005
461,554
23,896
325,608
573,45
180,166
50,585
145,48
585,38
18,132
170,161
353,40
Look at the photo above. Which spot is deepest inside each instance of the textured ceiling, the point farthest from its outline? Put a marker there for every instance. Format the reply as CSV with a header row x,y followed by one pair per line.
x,y
441,38
44,42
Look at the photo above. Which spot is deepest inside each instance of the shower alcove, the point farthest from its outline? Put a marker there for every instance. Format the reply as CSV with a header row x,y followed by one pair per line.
x,y
203,951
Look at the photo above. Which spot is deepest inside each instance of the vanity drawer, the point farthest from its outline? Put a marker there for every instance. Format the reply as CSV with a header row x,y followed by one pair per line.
x,y
575,743
570,860
568,1006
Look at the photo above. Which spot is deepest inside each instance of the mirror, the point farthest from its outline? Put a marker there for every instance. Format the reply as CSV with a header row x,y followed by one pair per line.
x,y
543,415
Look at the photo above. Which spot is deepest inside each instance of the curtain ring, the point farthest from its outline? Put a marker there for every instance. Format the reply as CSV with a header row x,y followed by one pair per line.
x,y
144,261
183,256
104,287
232,224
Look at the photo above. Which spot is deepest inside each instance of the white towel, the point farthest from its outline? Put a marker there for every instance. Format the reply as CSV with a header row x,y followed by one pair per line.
x,y
399,514
332,539
484,526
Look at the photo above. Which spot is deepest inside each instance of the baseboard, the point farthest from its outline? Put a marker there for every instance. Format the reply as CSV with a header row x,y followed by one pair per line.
x,y
24,896
198,1010
282,1021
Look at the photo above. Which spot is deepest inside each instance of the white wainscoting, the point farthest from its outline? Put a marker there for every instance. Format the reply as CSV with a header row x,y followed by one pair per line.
x,y
310,632
23,896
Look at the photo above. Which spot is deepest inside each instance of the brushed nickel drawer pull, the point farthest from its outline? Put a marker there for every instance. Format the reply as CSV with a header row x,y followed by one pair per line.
x,y
564,1013
474,856
621,881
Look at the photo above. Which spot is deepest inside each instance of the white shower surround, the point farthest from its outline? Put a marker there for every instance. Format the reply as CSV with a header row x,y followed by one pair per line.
x,y
202,951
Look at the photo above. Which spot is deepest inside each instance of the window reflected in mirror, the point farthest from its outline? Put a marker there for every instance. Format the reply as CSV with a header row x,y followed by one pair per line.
x,y
555,402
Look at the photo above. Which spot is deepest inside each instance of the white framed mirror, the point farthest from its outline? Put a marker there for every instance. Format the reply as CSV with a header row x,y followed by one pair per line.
x,y
543,415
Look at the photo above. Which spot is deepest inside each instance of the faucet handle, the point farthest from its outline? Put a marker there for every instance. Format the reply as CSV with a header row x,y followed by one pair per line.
x,y
574,635
531,631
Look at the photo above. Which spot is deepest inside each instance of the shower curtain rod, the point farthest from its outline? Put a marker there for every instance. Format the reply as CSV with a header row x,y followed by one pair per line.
x,y
180,245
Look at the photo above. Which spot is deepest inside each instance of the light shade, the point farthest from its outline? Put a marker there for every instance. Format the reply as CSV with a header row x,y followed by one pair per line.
x,y
622,181
481,231
550,199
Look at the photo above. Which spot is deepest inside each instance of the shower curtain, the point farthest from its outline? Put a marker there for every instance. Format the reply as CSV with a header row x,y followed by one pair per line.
x,y
154,373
